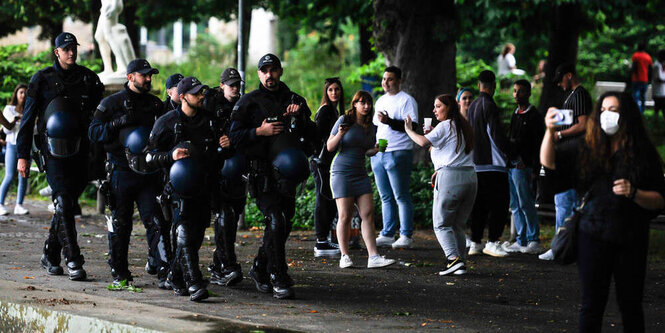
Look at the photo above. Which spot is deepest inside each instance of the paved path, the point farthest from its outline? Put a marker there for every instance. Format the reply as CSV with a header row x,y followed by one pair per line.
x,y
516,294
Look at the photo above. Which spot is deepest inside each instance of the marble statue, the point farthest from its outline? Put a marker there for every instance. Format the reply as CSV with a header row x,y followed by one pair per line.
x,y
113,36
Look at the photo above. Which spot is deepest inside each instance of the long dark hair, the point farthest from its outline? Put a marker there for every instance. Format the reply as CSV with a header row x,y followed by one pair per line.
x,y
326,101
462,126
14,99
364,96
632,136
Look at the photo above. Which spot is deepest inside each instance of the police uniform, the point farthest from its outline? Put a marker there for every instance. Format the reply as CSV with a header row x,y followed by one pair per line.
x,y
230,195
171,82
191,213
122,120
62,101
273,189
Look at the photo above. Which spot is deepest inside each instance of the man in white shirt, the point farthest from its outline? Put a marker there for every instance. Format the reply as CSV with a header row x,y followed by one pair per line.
x,y
392,167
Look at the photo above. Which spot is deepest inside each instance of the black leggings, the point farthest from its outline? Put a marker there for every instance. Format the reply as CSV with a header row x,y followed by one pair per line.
x,y
326,209
598,262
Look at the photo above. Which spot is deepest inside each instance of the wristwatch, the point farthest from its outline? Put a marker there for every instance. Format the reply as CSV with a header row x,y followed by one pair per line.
x,y
558,135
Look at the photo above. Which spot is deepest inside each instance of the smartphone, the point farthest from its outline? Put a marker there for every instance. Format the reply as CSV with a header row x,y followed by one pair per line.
x,y
272,119
563,117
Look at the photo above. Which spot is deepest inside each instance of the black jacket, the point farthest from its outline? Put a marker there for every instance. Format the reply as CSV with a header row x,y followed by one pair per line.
x,y
526,134
491,148
143,110
255,107
78,83
325,119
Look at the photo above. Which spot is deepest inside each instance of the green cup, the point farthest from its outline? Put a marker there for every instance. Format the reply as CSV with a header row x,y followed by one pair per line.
x,y
383,143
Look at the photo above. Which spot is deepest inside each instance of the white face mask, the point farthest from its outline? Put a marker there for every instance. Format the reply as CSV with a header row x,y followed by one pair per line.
x,y
609,122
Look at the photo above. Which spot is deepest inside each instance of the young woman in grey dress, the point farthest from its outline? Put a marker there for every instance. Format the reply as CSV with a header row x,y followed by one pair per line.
x,y
353,137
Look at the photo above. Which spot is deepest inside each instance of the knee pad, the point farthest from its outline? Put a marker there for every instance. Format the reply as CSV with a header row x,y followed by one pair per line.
x,y
181,238
64,205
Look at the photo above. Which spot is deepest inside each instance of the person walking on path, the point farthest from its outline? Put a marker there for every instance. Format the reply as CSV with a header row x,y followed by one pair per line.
x,y
455,183
526,133
13,111
392,167
490,155
639,74
354,136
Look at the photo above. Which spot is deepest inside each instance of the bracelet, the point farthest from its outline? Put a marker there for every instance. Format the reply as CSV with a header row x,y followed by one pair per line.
x,y
558,135
633,193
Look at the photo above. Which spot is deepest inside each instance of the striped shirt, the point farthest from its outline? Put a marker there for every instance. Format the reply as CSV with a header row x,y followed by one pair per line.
x,y
580,102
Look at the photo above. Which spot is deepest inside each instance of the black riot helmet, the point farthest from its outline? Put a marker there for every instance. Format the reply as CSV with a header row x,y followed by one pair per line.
x,y
62,128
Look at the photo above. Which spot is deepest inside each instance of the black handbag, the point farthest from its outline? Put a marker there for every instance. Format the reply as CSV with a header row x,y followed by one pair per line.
x,y
564,242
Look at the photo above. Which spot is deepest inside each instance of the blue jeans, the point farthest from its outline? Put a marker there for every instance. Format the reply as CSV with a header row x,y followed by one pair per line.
x,y
564,203
523,206
11,159
640,93
392,172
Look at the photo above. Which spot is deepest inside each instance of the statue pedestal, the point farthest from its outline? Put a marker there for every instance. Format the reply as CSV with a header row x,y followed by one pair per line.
x,y
112,78
112,88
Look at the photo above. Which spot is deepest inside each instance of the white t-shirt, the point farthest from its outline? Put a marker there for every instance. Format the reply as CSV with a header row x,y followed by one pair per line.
x,y
444,141
506,63
397,106
10,113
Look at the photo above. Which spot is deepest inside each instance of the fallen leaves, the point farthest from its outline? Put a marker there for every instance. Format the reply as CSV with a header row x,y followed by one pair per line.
x,y
29,277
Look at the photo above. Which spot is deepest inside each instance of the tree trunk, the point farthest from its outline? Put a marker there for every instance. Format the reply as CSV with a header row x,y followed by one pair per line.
x,y
366,53
247,24
565,23
420,40
133,30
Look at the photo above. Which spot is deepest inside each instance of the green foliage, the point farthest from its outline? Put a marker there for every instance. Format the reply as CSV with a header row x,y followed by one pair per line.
x,y
17,65
605,55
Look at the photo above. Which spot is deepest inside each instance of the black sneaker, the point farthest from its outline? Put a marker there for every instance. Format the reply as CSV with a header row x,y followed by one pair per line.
x,y
161,276
198,291
179,289
326,249
282,286
262,284
152,270
227,279
50,268
77,273
455,266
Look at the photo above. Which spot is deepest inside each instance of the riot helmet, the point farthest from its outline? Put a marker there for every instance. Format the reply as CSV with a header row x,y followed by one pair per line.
x,y
135,140
62,128
234,167
186,174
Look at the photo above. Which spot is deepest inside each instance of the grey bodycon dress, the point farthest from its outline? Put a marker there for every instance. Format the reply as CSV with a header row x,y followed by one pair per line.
x,y
348,176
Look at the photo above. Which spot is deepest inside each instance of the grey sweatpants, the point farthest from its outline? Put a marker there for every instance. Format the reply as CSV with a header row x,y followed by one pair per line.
x,y
454,194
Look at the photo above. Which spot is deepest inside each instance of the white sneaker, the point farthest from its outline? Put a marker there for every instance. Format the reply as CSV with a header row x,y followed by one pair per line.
x,y
377,261
549,255
494,249
403,242
513,248
20,210
533,248
46,191
345,261
3,210
383,241
51,208
475,248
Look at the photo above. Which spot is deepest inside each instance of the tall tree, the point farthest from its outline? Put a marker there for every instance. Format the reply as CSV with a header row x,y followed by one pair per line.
x,y
421,41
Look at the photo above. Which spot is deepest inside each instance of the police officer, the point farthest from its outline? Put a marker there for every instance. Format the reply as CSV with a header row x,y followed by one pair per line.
x,y
229,197
61,100
183,141
272,125
122,123
172,99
